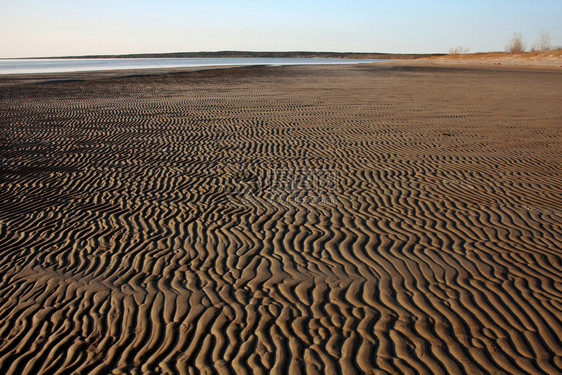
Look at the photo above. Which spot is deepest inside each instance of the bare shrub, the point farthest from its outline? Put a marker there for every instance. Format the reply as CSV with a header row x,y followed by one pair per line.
x,y
516,44
460,50
543,42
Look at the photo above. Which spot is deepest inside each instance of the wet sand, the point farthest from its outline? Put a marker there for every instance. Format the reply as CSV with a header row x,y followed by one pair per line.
x,y
318,219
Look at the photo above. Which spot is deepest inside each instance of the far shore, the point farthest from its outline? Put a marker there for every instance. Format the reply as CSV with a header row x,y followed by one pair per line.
x,y
251,54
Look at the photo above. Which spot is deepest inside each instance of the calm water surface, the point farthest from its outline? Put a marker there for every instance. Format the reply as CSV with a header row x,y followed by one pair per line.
x,y
20,66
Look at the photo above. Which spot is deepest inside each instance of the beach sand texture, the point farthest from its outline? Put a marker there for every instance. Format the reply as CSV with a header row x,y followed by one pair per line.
x,y
304,219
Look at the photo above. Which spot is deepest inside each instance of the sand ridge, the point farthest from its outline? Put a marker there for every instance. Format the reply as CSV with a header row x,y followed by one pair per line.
x,y
545,61
322,219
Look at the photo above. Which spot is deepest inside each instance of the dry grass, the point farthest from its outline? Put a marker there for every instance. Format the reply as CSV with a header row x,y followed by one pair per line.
x,y
549,60
494,55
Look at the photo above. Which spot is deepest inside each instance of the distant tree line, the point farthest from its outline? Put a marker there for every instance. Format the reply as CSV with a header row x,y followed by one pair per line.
x,y
242,54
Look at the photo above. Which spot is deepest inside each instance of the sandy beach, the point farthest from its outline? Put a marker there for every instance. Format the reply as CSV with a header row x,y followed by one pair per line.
x,y
545,61
368,219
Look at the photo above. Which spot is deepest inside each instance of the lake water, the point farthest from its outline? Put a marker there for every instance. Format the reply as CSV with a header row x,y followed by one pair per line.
x,y
20,66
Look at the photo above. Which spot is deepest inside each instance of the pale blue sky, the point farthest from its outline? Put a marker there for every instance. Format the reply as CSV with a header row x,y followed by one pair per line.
x,y
64,27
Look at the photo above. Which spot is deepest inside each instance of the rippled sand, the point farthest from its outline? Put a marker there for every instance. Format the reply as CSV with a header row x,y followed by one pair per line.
x,y
338,219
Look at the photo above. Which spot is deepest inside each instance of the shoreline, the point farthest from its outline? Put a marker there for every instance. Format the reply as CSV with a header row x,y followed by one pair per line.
x,y
483,64
160,66
444,63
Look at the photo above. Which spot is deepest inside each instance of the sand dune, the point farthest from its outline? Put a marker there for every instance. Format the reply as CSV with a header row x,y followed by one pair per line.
x,y
547,60
337,219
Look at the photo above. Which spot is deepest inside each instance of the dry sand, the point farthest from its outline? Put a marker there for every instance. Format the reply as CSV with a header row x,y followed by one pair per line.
x,y
550,60
319,219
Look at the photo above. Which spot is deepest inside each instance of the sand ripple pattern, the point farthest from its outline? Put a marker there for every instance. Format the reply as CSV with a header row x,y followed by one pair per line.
x,y
139,232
